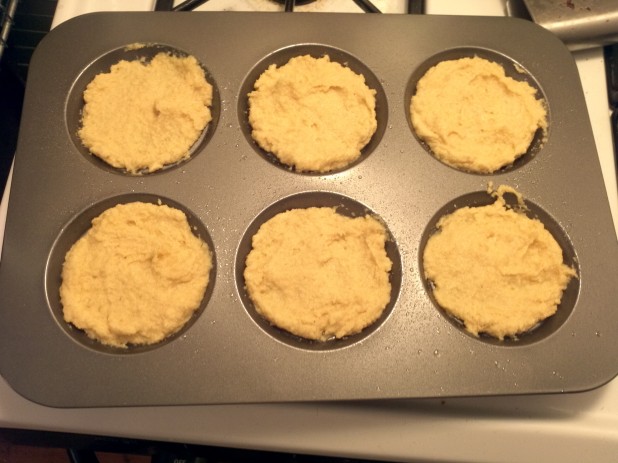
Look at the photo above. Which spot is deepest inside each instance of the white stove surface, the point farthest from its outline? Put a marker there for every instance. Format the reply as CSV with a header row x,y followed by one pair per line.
x,y
566,428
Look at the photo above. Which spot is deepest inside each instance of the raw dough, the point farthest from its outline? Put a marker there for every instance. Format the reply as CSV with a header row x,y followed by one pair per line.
x,y
473,117
495,269
136,276
141,116
319,274
312,114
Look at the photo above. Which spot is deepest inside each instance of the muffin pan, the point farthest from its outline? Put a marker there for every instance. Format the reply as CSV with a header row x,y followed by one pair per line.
x,y
227,353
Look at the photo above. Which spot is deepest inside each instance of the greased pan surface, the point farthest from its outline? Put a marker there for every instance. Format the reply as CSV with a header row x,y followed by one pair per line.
x,y
227,353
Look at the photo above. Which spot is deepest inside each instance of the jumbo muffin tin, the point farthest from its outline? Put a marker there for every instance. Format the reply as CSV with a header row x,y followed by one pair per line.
x,y
227,353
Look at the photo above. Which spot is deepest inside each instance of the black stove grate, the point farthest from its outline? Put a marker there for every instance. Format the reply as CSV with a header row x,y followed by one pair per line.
x,y
414,6
611,66
7,14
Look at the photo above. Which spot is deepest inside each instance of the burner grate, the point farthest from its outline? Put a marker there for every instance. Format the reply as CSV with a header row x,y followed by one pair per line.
x,y
7,13
414,6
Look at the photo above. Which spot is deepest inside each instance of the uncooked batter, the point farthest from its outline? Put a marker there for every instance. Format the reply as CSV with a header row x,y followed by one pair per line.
x,y
312,114
495,269
141,116
319,274
474,117
136,276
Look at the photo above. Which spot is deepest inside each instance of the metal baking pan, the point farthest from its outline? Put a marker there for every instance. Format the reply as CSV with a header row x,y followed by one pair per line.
x,y
227,353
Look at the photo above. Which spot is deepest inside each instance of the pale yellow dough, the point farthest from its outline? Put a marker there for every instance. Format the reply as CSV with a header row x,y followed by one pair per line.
x,y
142,116
319,274
495,269
312,114
136,276
474,117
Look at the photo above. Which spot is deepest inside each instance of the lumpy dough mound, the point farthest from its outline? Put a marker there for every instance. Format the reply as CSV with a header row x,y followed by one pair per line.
x,y
312,113
142,116
474,117
319,274
136,276
495,269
